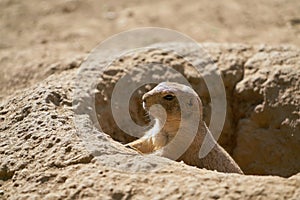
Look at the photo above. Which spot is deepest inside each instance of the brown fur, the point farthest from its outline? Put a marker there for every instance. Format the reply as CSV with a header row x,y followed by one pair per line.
x,y
159,141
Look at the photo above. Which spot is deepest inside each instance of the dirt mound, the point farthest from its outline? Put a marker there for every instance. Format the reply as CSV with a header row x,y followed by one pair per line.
x,y
45,155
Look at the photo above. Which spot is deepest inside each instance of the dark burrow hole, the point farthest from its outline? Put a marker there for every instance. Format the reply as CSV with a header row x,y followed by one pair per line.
x,y
137,113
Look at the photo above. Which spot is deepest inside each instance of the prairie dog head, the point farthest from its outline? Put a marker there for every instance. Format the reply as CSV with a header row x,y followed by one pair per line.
x,y
176,101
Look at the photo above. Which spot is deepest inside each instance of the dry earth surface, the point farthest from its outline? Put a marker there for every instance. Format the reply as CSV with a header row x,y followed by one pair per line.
x,y
46,154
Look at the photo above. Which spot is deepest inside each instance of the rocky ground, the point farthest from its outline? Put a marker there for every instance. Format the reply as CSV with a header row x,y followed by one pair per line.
x,y
49,150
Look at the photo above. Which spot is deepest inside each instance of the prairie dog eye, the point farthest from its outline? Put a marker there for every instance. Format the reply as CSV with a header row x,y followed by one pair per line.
x,y
169,97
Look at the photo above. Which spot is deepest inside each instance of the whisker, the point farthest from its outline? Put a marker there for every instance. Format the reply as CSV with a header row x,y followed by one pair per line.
x,y
147,117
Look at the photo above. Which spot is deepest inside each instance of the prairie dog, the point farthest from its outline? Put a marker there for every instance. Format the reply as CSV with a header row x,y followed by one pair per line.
x,y
177,111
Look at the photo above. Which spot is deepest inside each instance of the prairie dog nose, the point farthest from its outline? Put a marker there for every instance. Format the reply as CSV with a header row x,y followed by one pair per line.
x,y
144,100
145,97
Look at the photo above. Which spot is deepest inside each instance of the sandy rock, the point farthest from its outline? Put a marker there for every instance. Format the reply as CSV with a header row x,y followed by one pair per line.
x,y
51,151
267,107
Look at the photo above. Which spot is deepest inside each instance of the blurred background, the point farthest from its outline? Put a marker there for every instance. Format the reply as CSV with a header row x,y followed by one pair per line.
x,y
37,33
